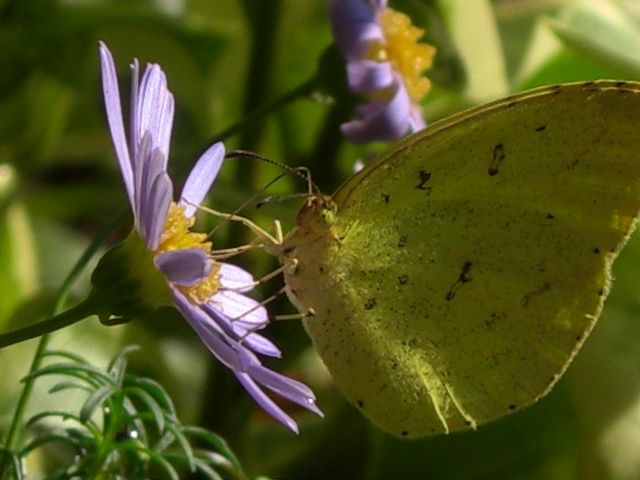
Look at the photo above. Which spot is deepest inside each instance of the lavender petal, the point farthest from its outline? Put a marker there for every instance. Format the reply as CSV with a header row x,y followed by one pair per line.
x,y
367,75
237,307
213,341
114,117
286,387
265,402
238,331
355,27
201,177
155,108
381,121
134,131
416,120
142,179
155,213
235,278
184,267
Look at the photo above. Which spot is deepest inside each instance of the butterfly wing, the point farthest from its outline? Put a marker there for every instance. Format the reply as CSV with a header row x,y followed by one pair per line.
x,y
465,268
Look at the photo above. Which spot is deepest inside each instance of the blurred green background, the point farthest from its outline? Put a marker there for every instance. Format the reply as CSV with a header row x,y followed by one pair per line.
x,y
59,184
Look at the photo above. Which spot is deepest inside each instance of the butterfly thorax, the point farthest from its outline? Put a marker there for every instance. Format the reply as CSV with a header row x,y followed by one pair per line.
x,y
305,248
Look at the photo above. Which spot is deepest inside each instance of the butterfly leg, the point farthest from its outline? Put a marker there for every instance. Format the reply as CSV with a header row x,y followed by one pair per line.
x,y
271,240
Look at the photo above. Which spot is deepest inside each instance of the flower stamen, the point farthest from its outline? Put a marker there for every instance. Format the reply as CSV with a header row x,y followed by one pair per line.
x,y
402,49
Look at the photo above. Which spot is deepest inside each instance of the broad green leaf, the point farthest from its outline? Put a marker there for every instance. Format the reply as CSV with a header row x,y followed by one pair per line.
x,y
601,30
18,261
472,26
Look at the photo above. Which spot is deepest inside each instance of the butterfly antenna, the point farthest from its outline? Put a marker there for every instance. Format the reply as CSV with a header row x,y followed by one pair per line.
x,y
281,198
302,172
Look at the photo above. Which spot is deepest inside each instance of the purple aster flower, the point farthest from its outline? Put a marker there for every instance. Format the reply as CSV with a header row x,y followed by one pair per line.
x,y
210,295
385,63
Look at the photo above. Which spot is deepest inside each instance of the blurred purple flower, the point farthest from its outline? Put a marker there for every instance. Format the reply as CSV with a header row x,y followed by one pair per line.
x,y
386,64
209,294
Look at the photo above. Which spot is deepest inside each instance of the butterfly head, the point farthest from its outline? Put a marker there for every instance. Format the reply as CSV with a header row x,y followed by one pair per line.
x,y
318,210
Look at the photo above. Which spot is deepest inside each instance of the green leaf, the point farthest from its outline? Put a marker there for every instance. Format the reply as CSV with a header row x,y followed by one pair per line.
x,y
63,415
95,400
165,442
601,30
218,460
89,443
201,465
68,385
151,404
474,32
166,467
206,470
18,261
215,441
118,365
52,437
155,390
16,466
134,417
88,373
184,444
68,355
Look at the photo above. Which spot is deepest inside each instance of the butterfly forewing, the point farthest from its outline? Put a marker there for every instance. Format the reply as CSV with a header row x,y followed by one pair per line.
x,y
465,267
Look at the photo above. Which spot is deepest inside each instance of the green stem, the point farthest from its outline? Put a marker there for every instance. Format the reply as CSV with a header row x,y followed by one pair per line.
x,y
249,119
80,265
51,324
323,159
112,427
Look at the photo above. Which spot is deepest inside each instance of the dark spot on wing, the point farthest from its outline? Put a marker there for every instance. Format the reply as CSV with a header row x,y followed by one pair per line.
x,y
491,321
497,159
462,279
596,251
404,433
512,407
541,128
402,242
620,84
371,302
578,337
550,216
424,178
385,197
534,293
512,104
403,279
600,292
360,403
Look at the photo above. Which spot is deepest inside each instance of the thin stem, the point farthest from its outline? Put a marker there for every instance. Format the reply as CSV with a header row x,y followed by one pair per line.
x,y
51,324
323,159
303,90
80,265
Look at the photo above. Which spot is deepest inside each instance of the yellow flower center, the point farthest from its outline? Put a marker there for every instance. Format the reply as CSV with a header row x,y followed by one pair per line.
x,y
402,50
177,236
